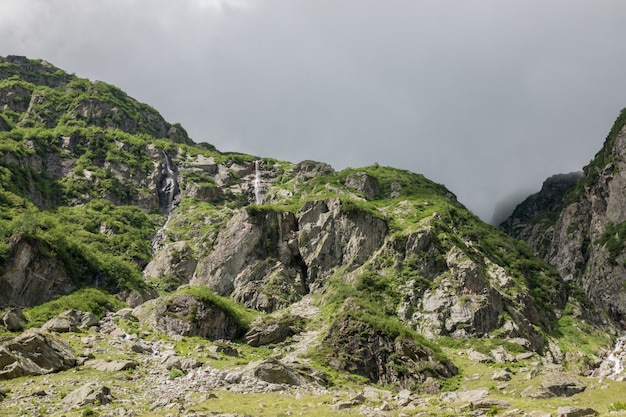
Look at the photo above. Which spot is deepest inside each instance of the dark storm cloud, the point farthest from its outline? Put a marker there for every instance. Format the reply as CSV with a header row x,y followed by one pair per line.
x,y
486,97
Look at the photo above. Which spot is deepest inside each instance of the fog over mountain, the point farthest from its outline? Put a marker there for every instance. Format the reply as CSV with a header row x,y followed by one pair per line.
x,y
486,97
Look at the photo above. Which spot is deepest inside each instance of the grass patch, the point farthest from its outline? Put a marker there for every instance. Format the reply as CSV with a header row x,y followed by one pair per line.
x,y
242,316
88,299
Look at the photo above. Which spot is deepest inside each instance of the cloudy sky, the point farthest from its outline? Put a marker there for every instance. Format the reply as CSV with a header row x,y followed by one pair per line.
x,y
488,97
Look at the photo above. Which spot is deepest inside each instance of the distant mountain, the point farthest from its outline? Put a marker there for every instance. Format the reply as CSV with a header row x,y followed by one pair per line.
x,y
379,266
580,228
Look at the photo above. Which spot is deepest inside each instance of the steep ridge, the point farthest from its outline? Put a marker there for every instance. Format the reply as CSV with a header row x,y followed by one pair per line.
x,y
97,190
582,232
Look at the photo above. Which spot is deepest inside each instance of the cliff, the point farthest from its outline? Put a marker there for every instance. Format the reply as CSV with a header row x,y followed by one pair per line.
x,y
581,231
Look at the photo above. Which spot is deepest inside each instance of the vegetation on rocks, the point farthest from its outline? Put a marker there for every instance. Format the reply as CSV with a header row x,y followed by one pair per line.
x,y
221,280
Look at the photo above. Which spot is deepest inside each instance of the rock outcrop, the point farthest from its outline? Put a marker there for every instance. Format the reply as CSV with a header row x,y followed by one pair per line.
x,y
357,346
187,315
173,265
31,276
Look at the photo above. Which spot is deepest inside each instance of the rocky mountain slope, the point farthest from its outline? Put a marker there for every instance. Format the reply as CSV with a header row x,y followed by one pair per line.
x,y
581,231
340,280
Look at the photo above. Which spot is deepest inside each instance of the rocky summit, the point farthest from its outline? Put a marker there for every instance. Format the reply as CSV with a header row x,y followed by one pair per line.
x,y
144,274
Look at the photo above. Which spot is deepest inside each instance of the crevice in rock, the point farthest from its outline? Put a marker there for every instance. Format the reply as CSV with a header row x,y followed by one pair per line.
x,y
304,272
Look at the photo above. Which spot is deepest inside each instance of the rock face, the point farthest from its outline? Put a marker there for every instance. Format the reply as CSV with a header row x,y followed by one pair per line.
x,y
549,198
364,183
172,266
583,234
186,315
34,353
256,261
31,277
356,346
268,260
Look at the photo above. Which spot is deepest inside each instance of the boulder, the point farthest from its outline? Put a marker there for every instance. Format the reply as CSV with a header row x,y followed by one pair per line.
x,y
500,355
476,356
571,411
177,362
111,366
464,397
274,372
13,320
34,353
562,385
70,321
225,350
89,394
501,375
487,403
536,392
125,314
265,334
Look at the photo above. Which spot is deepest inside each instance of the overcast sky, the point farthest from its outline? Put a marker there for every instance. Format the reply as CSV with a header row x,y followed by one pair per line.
x,y
488,97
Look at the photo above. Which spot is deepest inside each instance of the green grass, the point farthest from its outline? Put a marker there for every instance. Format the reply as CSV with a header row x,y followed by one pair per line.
x,y
242,316
617,406
87,299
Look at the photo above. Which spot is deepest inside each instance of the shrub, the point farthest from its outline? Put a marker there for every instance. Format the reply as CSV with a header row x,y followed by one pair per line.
x,y
617,406
176,373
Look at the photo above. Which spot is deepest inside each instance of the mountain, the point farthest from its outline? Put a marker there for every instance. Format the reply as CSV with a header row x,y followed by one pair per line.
x,y
116,224
579,225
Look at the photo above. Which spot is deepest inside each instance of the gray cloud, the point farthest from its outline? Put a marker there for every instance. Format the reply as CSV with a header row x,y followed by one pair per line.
x,y
486,97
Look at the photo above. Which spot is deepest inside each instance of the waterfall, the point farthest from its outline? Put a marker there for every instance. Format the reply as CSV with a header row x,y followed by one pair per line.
x,y
169,197
612,366
257,181
615,360
169,188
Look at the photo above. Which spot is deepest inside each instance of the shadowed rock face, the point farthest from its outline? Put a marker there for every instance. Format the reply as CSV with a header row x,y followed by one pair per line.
x,y
32,277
